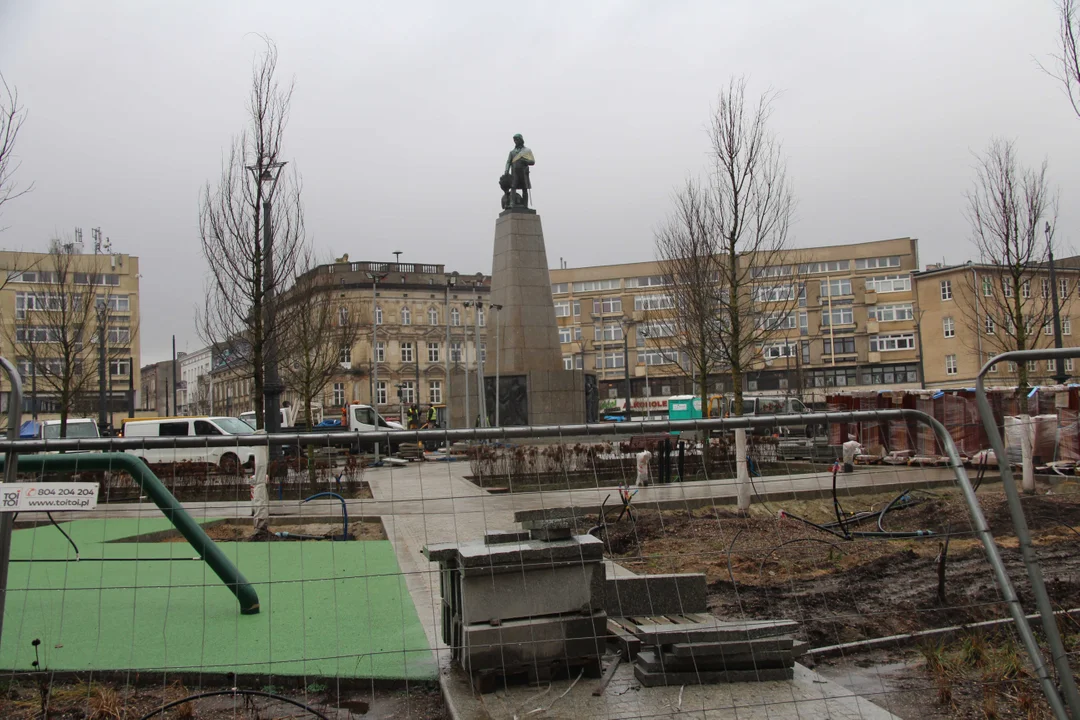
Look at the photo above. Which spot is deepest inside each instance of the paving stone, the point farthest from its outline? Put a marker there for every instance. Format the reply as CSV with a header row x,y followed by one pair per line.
x,y
500,537
718,631
550,534
734,648
518,643
650,679
655,595
666,662
577,547
552,513
441,552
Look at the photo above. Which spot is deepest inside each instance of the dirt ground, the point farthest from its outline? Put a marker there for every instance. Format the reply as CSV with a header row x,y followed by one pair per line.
x,y
115,701
229,532
771,565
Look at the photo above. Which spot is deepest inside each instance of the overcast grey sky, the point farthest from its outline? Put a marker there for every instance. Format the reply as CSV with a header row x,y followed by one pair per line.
x,y
403,115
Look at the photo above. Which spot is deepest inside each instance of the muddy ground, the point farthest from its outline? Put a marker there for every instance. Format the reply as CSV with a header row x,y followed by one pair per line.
x,y
25,699
771,565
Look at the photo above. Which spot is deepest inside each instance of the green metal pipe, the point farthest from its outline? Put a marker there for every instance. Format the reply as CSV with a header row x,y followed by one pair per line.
x,y
170,507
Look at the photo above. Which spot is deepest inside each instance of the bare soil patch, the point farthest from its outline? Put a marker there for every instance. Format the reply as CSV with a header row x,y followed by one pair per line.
x,y
25,699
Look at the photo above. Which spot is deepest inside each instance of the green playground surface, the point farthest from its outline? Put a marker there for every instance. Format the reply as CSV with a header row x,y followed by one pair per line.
x,y
328,609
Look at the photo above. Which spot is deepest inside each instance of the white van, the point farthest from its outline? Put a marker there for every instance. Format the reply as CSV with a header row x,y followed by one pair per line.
x,y
229,459
76,428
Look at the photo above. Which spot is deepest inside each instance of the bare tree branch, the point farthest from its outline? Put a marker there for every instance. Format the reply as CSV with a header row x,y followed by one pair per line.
x,y
1066,64
12,116
232,233
1008,209
734,279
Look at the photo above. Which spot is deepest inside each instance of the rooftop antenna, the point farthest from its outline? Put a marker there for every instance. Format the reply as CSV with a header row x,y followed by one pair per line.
x,y
95,233
397,256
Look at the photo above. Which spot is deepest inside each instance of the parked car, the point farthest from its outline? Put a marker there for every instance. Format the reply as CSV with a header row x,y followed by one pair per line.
x,y
776,405
229,458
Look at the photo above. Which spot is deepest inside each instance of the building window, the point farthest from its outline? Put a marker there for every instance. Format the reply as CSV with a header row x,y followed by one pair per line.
x,y
946,289
832,288
1048,326
606,306
1066,326
406,316
830,266
564,334
1007,288
778,321
560,288
990,325
892,313
993,368
433,352
610,332
949,327
648,281
608,361
653,302
345,355
661,357
568,361
338,394
407,390
594,285
889,343
119,367
434,391
116,303
483,352
889,374
481,318
832,377
406,352
1033,365
380,392
1025,289
774,351
343,316
119,335
432,316
838,316
378,315
577,308
877,263
770,271
1063,287
1051,366
838,346
888,283
455,352
804,323
455,317
1068,365
805,351
380,351
562,308
1046,287
987,286
950,364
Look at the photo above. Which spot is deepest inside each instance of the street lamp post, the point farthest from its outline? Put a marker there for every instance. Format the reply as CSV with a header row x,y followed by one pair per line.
x,y
626,323
498,348
1060,376
269,172
451,281
375,278
648,390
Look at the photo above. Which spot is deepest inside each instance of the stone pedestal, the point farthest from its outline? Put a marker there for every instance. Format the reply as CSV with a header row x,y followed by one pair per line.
x,y
534,388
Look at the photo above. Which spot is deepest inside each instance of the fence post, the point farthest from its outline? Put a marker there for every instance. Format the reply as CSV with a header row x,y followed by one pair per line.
x,y
1023,536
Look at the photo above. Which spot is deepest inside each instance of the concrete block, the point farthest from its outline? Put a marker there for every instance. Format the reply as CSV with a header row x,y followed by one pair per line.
x,y
522,516
549,534
734,648
533,593
440,552
499,537
655,595
718,631
578,548
666,662
518,643
651,679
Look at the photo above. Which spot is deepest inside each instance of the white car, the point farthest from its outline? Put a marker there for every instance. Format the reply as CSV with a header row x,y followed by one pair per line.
x,y
228,458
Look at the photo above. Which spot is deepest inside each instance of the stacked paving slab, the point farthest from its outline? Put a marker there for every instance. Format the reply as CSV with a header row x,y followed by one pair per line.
x,y
713,651
523,605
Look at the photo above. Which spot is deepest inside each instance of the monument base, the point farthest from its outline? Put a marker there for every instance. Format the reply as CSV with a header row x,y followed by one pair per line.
x,y
543,397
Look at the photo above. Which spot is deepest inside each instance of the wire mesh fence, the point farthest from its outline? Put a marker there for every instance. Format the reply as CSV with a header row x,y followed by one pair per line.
x,y
559,572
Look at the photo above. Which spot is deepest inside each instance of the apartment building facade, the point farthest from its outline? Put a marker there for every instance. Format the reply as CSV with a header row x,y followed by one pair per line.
x,y
965,320
63,314
415,322
853,327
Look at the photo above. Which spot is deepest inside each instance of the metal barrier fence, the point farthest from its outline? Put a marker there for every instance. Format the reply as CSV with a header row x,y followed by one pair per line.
x,y
424,504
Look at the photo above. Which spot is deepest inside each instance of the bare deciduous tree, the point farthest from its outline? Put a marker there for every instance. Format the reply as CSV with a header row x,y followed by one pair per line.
x,y
231,224
12,116
1008,209
1066,64
55,331
323,327
727,240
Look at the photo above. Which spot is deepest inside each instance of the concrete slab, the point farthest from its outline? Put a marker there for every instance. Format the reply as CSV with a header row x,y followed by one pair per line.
x,y
655,595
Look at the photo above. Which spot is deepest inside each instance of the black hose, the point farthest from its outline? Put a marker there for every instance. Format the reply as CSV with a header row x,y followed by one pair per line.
x,y
789,542
836,506
887,508
235,691
49,515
